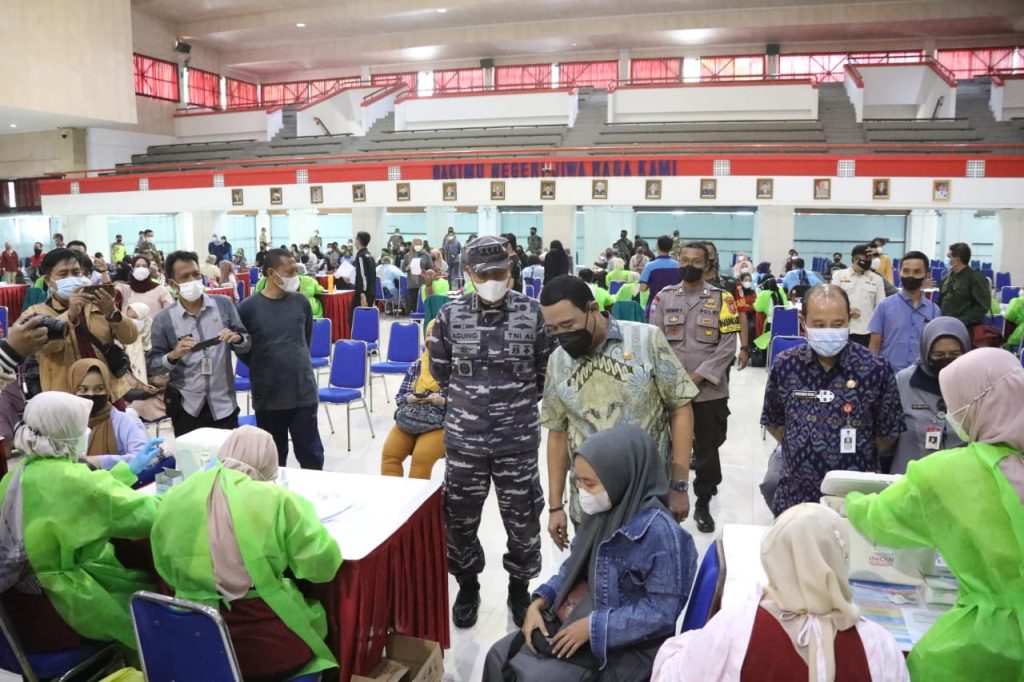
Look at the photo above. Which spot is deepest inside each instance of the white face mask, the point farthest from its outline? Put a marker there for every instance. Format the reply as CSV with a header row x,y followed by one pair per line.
x,y
594,504
191,291
876,263
491,291
140,273
417,248
290,284
139,324
828,342
956,421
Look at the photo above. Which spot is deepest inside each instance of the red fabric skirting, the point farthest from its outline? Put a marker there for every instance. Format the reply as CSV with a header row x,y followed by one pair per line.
x,y
12,297
326,281
402,587
337,309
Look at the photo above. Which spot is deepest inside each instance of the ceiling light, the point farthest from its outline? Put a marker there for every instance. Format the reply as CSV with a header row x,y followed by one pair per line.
x,y
300,25
574,44
421,52
14,125
692,36
441,10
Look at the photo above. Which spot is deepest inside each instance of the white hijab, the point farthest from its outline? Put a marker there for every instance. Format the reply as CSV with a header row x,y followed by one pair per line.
x,y
55,424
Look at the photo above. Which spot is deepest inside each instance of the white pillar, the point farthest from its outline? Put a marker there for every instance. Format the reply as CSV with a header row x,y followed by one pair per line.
x,y
196,231
91,229
439,219
372,221
1009,244
955,226
560,224
922,232
624,65
364,73
774,231
183,237
602,226
488,220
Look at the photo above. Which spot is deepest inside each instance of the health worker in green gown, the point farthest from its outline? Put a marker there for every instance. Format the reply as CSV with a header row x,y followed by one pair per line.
x,y
969,504
225,538
59,576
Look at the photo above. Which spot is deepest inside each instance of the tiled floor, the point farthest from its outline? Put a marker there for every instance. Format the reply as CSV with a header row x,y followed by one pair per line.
x,y
744,457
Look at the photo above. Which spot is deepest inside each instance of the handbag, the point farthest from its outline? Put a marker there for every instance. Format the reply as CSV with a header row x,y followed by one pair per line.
x,y
116,357
419,418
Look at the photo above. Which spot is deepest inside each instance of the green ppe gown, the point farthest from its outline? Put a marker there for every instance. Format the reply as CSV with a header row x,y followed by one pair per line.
x,y
959,502
69,516
276,530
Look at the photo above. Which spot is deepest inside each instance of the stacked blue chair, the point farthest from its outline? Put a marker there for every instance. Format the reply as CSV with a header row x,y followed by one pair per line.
x,y
348,379
182,640
706,596
780,344
418,315
320,345
366,327
785,322
403,349
1007,294
242,383
1002,280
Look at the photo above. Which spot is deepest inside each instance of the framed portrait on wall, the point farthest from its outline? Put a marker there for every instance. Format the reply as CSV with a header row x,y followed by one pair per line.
x,y
822,188
316,194
547,190
276,196
599,188
880,188
652,190
765,188
358,193
449,191
498,190
941,190
237,197
708,188
403,192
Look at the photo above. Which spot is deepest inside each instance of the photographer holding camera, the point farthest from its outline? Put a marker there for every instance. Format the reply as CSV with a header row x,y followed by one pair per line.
x,y
83,322
25,337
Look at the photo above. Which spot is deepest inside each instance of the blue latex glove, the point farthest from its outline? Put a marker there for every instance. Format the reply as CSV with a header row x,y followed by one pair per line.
x,y
150,451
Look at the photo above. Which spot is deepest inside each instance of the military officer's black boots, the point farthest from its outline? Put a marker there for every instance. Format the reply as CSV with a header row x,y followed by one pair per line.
x,y
518,600
467,603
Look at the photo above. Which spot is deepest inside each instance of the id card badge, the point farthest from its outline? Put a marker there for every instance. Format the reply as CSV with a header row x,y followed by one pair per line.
x,y
933,438
207,366
848,441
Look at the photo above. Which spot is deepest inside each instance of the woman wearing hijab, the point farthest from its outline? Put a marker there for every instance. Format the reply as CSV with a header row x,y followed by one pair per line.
x,y
764,271
60,579
770,296
143,288
969,504
228,536
139,314
803,626
618,595
238,260
226,278
943,340
556,262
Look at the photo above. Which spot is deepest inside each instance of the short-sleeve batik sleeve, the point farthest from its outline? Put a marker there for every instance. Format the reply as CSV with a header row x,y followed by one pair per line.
x,y
553,415
773,413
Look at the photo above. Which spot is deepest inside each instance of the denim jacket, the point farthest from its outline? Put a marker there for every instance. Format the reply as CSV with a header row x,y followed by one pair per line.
x,y
642,581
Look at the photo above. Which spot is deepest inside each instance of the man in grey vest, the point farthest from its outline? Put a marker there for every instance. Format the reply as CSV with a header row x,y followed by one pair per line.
x,y
489,351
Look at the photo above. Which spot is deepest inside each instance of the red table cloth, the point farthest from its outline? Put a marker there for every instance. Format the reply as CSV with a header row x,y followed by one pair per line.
x,y
400,587
326,281
337,309
13,297
243,277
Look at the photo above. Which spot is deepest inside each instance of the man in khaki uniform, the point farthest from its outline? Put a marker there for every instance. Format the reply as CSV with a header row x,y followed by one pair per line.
x,y
701,323
865,289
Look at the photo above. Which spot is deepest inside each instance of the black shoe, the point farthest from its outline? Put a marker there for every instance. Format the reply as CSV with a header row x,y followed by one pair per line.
x,y
518,600
467,603
702,515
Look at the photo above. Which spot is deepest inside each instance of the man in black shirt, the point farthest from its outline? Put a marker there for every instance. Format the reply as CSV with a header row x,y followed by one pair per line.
x,y
515,264
366,273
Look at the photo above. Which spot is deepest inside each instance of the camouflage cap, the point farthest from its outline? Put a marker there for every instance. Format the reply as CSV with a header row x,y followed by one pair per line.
x,y
486,253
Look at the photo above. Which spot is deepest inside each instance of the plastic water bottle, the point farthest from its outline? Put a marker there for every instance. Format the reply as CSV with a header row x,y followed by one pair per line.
x,y
204,459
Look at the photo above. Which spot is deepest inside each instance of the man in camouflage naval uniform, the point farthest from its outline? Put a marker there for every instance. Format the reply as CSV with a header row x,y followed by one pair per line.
x,y
489,351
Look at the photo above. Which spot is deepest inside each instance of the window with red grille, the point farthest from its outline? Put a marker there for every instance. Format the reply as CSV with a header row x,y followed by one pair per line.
x,y
453,80
595,74
286,93
978,62
409,78
669,69
328,85
523,76
155,78
240,93
828,67
728,67
203,88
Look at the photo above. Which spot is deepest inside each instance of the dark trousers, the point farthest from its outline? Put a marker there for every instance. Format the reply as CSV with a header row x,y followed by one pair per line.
x,y
411,302
861,339
184,423
710,423
370,302
467,481
301,423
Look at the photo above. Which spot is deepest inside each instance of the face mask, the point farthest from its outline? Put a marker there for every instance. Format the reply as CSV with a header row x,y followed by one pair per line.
x,y
937,366
748,285
577,342
744,269
828,343
864,264
290,284
594,504
691,273
191,291
149,240
417,248
876,263
837,260
67,286
491,291
949,262
98,403
878,250
37,251
140,325
911,283
956,420
140,273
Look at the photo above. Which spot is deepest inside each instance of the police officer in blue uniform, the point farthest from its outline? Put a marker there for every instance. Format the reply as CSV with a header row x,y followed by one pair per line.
x,y
489,351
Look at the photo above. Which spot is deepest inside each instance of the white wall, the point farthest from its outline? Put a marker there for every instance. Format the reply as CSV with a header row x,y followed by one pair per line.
x,y
471,111
255,124
1007,100
105,148
713,102
342,113
908,92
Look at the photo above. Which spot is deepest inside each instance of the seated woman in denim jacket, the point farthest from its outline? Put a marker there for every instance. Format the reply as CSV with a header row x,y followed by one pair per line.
x,y
628,576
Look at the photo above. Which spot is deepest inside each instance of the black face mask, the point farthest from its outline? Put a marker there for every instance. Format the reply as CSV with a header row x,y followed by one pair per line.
x,y
577,342
864,264
911,283
691,273
37,251
98,403
937,366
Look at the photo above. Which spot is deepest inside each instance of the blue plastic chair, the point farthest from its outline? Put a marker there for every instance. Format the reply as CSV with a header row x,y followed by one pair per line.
x,y
706,596
241,291
247,420
1002,280
418,315
348,379
182,640
614,287
3,321
781,344
254,275
529,291
60,666
1007,294
243,384
785,322
366,327
320,345
403,349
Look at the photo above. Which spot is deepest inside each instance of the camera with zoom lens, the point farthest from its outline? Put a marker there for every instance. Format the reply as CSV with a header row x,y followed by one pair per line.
x,y
55,329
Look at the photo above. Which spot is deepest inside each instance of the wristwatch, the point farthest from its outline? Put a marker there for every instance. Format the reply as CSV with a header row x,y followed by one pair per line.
x,y
679,486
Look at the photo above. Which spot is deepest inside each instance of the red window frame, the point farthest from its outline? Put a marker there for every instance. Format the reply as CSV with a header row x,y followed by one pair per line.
x,y
727,67
595,74
285,93
662,70
203,88
323,86
976,62
828,66
410,78
240,93
455,80
523,76
155,78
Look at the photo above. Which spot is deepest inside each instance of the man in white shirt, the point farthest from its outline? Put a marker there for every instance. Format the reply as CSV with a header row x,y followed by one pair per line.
x,y
865,288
